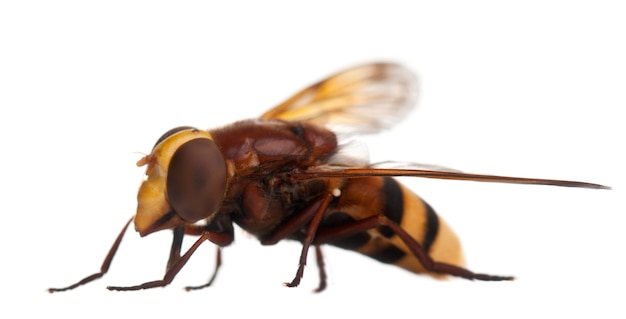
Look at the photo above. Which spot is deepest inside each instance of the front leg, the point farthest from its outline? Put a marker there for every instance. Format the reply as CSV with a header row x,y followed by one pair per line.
x,y
216,238
312,215
105,264
177,242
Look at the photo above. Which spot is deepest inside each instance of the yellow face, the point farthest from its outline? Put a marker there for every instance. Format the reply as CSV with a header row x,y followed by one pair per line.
x,y
185,181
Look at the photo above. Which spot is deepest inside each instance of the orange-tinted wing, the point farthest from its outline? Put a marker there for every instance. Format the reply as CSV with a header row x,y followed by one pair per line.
x,y
347,172
362,99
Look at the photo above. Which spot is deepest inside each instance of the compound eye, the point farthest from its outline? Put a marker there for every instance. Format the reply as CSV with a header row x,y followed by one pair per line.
x,y
196,180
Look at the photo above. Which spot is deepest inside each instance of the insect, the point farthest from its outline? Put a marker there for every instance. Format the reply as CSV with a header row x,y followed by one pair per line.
x,y
285,175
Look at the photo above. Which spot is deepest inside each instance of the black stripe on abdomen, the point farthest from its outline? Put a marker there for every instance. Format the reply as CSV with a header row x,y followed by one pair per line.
x,y
432,227
388,254
393,207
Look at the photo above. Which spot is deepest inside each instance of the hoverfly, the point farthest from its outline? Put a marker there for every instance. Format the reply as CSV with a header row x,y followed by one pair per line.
x,y
283,176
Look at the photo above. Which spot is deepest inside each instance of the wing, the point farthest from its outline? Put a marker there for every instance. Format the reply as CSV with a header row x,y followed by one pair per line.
x,y
368,99
363,99
323,172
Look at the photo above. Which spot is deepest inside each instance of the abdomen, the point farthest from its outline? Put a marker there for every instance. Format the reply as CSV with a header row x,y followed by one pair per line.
x,y
366,197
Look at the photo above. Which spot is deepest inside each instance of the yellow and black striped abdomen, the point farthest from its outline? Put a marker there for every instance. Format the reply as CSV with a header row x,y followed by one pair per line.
x,y
366,197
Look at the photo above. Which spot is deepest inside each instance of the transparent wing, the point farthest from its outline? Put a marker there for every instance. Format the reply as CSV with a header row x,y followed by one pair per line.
x,y
363,99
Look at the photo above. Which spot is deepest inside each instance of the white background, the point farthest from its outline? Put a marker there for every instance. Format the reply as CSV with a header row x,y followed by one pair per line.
x,y
532,89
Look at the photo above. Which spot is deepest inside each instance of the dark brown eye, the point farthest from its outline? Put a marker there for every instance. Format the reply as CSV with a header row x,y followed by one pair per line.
x,y
196,180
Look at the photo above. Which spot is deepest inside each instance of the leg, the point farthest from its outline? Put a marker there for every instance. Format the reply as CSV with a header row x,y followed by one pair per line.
x,y
105,264
217,238
177,242
308,239
197,230
311,215
218,263
334,233
321,268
